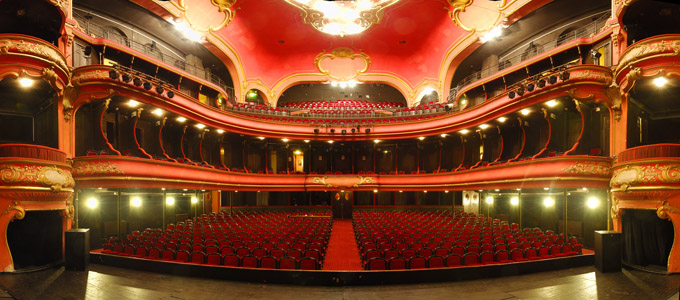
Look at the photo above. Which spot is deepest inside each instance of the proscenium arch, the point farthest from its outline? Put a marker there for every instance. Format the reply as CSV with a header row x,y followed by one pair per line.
x,y
389,80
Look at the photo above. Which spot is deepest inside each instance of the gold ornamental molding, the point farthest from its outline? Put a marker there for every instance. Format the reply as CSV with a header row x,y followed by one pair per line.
x,y
647,174
340,59
49,176
366,18
343,181
81,168
194,17
589,168
484,15
663,210
18,211
14,45
667,45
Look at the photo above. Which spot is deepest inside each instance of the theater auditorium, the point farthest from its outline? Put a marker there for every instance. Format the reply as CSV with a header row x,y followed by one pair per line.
x,y
409,149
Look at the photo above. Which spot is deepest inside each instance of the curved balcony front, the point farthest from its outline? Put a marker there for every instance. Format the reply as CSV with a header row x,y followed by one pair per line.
x,y
32,178
648,178
32,58
649,58
557,172
585,83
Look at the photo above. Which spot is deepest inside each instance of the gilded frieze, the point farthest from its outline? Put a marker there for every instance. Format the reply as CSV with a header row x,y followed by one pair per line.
x,y
81,168
15,45
49,176
588,168
647,174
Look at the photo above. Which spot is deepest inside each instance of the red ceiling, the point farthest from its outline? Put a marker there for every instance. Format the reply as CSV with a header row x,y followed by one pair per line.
x,y
258,27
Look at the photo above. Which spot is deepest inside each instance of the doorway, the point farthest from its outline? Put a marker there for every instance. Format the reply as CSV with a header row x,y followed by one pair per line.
x,y
342,205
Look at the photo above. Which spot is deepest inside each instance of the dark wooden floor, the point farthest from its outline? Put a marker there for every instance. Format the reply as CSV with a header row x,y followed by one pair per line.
x,y
105,282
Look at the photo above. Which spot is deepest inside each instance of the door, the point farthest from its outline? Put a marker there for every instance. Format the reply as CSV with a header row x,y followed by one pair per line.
x,y
342,205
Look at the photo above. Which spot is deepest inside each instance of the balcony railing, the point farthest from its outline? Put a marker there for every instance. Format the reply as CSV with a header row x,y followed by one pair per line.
x,y
542,47
152,50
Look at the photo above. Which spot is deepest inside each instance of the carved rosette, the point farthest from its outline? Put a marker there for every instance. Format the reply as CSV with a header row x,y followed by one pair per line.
x,y
81,168
47,176
631,175
589,168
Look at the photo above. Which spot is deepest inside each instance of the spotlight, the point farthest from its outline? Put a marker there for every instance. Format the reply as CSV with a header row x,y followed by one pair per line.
x,y
170,201
530,87
113,74
126,78
541,83
564,75
136,202
514,201
368,130
593,202
552,79
147,86
489,200
137,81
520,90
332,130
316,130
354,130
170,94
159,89
595,54
344,131
87,51
511,94
194,200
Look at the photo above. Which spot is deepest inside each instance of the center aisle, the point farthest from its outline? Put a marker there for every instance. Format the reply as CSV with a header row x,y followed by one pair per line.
x,y
342,252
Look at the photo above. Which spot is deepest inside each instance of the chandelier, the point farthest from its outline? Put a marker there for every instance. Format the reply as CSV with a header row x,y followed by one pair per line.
x,y
341,18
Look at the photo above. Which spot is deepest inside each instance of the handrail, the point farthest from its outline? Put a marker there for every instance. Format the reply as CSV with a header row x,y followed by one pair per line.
x,y
94,30
582,32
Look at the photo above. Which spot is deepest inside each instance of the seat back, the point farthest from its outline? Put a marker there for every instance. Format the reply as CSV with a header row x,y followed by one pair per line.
x,y
417,262
502,256
183,256
309,263
486,257
516,254
435,261
397,263
198,257
268,262
287,263
376,263
454,260
249,261
471,258
214,259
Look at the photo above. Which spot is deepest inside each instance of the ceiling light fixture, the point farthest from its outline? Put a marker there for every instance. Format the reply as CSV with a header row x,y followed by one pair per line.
x,y
502,119
660,81
200,126
158,112
181,119
525,112
464,131
25,82
341,18
285,140
220,131
133,103
551,103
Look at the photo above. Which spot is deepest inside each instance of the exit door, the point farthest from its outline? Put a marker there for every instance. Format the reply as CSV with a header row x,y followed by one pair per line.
x,y
342,205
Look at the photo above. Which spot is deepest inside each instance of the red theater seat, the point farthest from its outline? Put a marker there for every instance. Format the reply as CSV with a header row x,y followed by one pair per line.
x,y
376,263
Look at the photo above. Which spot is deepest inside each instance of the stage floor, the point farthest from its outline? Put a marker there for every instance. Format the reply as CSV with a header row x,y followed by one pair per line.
x,y
106,282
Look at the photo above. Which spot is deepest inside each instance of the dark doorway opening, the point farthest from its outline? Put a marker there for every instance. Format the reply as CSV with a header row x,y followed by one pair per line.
x,y
36,240
647,239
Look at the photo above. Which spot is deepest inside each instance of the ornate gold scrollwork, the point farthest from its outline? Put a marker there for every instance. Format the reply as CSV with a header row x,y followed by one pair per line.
x,y
458,6
33,47
342,53
70,209
663,210
633,175
615,208
589,168
95,168
615,97
344,181
53,177
19,212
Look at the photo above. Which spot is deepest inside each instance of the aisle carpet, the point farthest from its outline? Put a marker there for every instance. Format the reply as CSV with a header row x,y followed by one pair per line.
x,y
342,252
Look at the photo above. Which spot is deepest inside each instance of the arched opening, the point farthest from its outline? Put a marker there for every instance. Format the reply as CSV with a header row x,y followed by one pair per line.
x,y
366,92
644,19
36,240
647,239
255,96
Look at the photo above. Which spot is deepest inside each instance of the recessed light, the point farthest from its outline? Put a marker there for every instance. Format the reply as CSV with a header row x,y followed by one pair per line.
x,y
376,141
158,112
220,131
421,138
444,135
502,119
25,82
660,81
484,126
181,119
551,103
330,141
285,140
200,126
525,111
132,103
306,141
260,137
464,131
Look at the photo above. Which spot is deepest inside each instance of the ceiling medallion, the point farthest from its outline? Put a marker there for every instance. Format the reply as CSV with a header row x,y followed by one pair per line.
x,y
341,18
